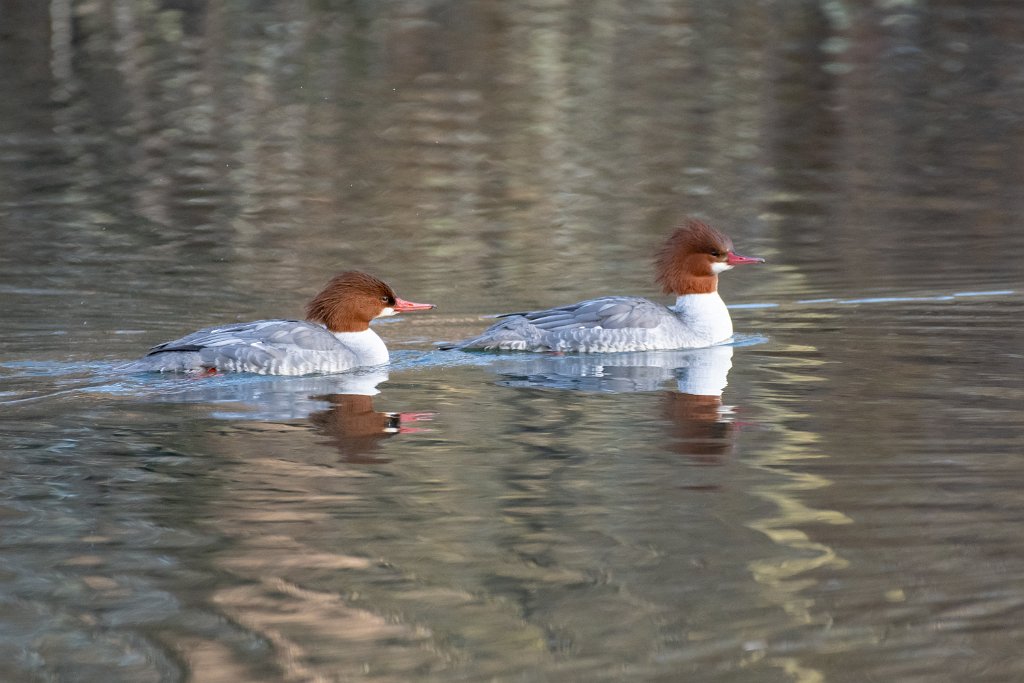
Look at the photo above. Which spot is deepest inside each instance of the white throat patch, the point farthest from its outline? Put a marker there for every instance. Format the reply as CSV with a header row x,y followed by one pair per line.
x,y
720,267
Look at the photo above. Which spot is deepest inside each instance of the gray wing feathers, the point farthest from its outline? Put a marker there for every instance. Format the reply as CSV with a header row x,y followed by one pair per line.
x,y
253,355
277,347
606,324
311,337
262,336
610,313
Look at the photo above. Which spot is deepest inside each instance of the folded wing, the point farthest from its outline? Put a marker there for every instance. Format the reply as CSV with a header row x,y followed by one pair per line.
x,y
267,334
609,313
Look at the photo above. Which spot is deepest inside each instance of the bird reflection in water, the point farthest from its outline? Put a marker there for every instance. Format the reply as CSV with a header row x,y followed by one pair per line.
x,y
350,421
356,429
701,427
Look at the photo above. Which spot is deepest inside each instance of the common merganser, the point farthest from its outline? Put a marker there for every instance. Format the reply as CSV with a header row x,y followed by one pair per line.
x,y
687,266
335,336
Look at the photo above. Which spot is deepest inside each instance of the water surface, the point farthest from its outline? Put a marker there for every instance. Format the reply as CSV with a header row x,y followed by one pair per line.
x,y
833,498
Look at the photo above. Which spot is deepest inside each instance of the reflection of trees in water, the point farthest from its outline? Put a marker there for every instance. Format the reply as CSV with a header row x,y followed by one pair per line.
x,y
239,129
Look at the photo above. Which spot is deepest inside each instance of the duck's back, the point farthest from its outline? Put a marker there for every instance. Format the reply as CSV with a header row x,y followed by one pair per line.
x,y
606,324
266,347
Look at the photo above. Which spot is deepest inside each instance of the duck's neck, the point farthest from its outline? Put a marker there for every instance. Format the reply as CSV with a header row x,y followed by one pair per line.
x,y
705,313
369,347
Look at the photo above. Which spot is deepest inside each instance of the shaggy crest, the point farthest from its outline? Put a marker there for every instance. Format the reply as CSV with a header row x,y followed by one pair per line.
x,y
350,301
684,263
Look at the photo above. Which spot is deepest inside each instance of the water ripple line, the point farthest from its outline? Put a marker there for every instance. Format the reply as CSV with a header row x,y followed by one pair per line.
x,y
880,299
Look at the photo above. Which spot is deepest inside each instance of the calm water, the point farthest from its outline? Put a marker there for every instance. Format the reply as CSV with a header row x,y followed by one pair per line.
x,y
835,498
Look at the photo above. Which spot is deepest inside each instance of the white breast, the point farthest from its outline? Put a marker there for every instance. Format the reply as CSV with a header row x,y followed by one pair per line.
x,y
705,315
369,347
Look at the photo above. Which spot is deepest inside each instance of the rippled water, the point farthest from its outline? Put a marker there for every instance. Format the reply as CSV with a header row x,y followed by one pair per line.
x,y
836,497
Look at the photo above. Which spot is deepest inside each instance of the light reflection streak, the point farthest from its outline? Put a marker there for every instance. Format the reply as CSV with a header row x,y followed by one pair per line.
x,y
60,40
784,578
881,299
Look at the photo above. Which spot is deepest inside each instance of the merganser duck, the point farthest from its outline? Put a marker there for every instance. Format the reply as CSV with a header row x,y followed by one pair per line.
x,y
335,336
687,266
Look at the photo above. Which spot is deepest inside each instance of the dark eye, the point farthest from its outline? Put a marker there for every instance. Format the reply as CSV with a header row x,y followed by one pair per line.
x,y
384,300
716,253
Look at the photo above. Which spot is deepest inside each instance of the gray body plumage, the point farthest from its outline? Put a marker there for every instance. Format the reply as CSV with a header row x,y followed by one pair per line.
x,y
266,347
611,324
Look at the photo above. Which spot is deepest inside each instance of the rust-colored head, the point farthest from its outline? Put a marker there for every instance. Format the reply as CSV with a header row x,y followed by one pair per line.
x,y
692,258
352,299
